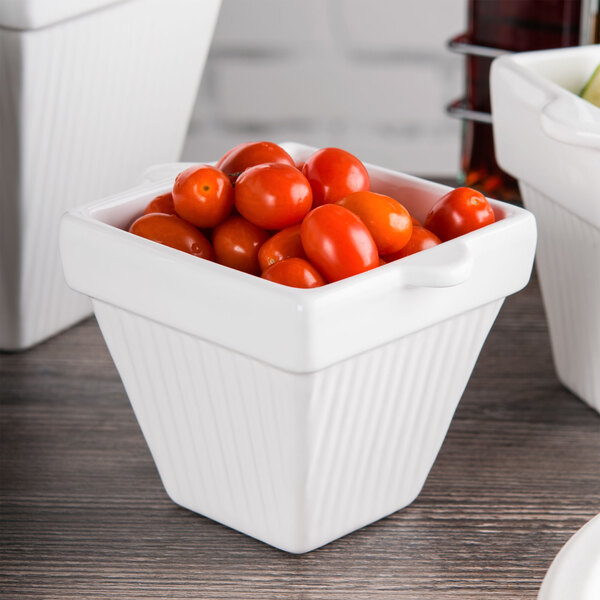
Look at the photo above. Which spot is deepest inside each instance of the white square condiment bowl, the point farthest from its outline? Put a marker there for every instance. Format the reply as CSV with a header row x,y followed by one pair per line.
x,y
295,416
80,82
549,139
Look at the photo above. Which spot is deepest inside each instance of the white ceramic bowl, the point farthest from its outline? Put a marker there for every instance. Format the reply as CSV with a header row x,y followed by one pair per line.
x,y
91,91
549,139
295,416
575,572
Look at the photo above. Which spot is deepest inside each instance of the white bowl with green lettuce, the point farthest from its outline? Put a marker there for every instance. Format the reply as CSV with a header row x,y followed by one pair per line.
x,y
547,135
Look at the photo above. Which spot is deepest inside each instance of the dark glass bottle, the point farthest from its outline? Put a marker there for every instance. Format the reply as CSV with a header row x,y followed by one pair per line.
x,y
506,25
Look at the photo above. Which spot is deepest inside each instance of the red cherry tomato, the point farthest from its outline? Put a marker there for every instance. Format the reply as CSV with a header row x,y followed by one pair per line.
x,y
161,204
295,272
386,219
173,231
458,212
284,244
334,173
236,242
243,156
203,196
421,239
273,196
337,242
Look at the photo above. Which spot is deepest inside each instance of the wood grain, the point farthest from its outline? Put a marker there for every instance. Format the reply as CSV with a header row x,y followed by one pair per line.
x,y
84,514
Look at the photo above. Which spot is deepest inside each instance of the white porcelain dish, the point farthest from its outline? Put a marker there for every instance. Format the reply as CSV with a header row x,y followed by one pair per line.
x,y
295,416
549,139
90,92
575,572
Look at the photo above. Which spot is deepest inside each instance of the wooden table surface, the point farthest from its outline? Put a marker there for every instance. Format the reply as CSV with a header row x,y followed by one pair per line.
x,y
84,514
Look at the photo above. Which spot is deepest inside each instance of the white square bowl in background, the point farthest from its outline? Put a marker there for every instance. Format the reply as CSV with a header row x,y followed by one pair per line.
x,y
294,416
549,139
91,91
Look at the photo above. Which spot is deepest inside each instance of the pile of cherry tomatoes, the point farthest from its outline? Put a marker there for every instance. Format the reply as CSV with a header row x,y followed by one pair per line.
x,y
298,225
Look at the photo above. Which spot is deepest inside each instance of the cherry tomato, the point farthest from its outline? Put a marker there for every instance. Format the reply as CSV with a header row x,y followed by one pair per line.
x,y
416,221
173,231
421,239
237,242
334,173
243,156
284,244
337,242
295,272
203,195
161,204
458,212
386,219
273,196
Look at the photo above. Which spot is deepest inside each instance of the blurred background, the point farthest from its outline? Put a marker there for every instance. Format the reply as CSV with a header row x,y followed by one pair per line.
x,y
372,77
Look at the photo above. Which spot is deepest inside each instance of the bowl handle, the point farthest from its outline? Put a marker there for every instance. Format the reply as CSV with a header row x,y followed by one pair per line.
x,y
445,266
579,127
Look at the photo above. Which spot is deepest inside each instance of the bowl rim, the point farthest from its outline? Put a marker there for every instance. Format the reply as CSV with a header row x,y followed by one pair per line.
x,y
564,115
92,214
298,330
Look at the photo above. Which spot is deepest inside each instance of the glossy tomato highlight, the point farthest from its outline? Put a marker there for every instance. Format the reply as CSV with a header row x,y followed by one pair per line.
x,y
236,242
387,220
337,242
294,272
334,173
243,156
273,196
173,231
284,244
203,195
161,204
459,212
421,239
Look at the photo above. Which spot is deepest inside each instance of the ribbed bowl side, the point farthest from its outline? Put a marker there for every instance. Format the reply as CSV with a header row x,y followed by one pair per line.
x,y
380,418
226,432
568,263
98,99
295,460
